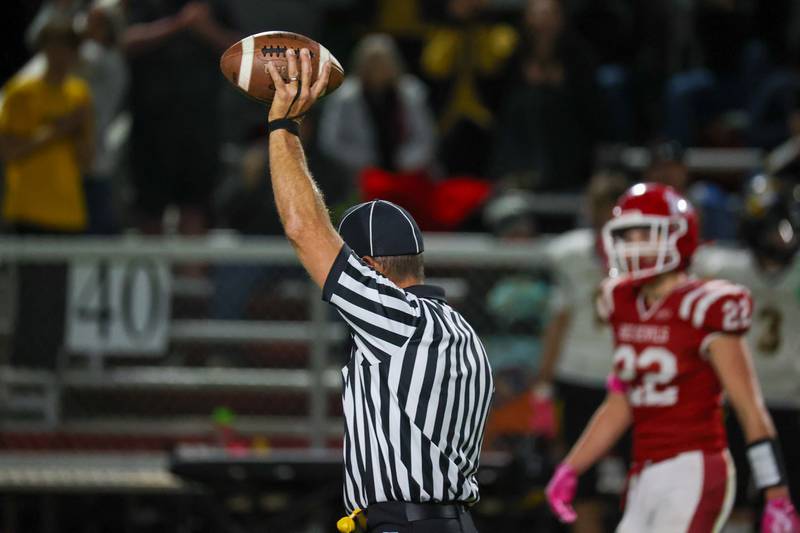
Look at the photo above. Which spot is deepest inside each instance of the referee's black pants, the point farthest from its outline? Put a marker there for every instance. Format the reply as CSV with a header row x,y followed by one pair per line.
x,y
400,517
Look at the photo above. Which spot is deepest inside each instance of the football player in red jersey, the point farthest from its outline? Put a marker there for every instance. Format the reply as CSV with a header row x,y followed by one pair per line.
x,y
678,346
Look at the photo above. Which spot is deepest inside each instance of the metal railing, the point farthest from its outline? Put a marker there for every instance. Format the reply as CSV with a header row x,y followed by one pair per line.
x,y
317,380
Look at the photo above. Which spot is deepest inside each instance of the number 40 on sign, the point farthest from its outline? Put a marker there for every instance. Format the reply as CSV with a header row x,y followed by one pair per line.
x,y
118,306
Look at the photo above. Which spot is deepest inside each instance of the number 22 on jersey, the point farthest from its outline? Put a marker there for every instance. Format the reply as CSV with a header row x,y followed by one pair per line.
x,y
656,367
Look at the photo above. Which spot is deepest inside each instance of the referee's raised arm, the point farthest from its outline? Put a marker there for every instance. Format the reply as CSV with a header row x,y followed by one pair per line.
x,y
417,385
300,205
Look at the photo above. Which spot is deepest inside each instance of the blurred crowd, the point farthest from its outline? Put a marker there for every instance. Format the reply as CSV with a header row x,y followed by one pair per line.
x,y
114,116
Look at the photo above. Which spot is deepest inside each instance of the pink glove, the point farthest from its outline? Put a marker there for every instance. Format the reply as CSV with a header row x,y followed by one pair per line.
x,y
780,517
560,492
543,414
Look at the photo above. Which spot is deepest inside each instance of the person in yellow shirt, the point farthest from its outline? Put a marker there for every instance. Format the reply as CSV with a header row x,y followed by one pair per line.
x,y
46,140
468,61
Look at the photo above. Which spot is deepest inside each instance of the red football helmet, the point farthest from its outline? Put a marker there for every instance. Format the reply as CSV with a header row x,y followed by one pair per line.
x,y
666,232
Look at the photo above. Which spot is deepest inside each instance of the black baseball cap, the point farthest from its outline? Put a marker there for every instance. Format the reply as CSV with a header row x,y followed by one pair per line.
x,y
380,228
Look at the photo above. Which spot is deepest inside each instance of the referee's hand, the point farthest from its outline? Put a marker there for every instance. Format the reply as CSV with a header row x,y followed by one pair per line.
x,y
296,96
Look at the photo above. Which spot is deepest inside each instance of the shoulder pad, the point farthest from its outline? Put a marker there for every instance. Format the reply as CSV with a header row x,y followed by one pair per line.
x,y
606,297
718,305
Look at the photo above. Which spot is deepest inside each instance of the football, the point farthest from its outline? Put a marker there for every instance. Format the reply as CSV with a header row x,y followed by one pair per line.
x,y
245,63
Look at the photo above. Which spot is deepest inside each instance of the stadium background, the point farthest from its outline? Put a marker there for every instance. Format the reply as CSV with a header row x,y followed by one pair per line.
x,y
194,383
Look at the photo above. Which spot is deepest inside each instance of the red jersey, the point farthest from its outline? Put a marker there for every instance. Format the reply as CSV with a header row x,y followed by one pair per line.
x,y
661,354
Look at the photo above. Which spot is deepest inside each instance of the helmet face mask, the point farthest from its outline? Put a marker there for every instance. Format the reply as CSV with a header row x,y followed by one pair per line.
x,y
643,246
654,230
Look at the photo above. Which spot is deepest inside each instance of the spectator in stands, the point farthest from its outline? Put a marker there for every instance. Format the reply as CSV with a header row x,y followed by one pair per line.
x,y
243,203
379,117
467,61
46,143
173,47
50,9
46,139
550,120
511,215
103,67
516,304
42,15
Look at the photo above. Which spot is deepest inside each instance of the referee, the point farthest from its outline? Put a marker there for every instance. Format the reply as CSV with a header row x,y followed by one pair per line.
x,y
418,385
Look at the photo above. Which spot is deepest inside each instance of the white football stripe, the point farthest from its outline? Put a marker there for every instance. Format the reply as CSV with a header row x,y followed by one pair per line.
x,y
246,66
685,310
607,298
324,55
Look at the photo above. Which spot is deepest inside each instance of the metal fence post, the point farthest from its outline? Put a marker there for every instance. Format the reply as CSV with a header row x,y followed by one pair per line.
x,y
318,394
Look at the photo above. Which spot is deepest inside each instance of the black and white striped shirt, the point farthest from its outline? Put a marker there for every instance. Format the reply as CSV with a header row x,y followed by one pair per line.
x,y
417,389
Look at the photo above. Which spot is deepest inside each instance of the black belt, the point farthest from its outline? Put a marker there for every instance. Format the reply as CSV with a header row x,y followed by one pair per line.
x,y
414,512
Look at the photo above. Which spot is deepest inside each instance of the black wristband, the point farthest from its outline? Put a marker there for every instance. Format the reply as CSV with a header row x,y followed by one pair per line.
x,y
766,464
288,124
